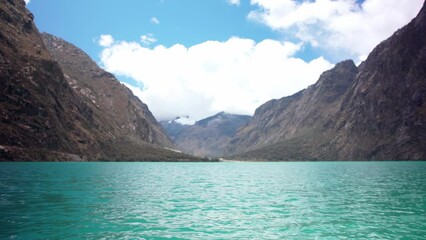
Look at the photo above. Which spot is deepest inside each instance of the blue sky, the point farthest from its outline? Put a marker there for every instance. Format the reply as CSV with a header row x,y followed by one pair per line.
x,y
200,57
187,22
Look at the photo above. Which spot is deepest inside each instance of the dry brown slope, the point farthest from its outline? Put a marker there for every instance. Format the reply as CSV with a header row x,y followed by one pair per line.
x,y
38,109
117,111
43,118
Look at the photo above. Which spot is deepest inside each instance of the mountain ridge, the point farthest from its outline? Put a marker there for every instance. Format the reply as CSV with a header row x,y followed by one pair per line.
x,y
378,114
207,137
109,98
48,115
296,115
57,104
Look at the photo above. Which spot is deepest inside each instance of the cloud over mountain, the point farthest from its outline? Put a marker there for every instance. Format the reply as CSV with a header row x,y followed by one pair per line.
x,y
344,27
235,76
239,74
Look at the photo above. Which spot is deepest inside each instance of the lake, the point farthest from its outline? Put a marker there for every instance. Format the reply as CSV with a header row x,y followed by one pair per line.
x,y
280,200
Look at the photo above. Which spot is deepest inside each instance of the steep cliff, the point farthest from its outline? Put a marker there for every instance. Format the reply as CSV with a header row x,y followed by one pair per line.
x,y
373,112
38,108
304,116
47,113
117,112
383,113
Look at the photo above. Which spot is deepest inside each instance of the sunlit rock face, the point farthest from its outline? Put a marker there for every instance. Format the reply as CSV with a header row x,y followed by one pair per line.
x,y
57,104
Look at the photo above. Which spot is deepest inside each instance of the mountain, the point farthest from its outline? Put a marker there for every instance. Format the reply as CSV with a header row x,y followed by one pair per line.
x,y
383,113
175,126
207,137
116,110
376,111
71,110
302,115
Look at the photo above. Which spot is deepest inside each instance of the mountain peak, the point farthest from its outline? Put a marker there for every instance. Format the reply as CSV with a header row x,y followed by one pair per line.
x,y
184,120
373,112
346,64
207,137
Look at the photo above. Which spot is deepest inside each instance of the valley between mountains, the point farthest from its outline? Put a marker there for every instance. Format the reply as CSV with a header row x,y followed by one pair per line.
x,y
57,104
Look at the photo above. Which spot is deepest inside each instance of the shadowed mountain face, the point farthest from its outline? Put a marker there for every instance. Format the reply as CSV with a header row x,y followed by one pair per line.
x,y
383,113
374,112
207,137
67,111
304,114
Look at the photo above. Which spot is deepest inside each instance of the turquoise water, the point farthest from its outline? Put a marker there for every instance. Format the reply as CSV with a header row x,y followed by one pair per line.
x,y
314,200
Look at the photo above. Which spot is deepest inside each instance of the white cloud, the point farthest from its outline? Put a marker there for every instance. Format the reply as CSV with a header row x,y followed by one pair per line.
x,y
105,40
154,20
27,1
342,27
235,76
148,39
234,2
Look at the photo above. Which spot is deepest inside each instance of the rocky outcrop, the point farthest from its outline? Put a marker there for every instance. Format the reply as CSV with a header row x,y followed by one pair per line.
x,y
173,127
38,108
383,113
50,113
115,110
207,137
304,115
374,112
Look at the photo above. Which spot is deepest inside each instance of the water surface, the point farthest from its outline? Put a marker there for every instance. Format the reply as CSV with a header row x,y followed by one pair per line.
x,y
313,200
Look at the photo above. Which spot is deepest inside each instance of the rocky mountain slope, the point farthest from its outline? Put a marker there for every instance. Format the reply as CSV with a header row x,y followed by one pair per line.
x,y
383,113
118,112
304,114
207,137
52,111
374,112
174,127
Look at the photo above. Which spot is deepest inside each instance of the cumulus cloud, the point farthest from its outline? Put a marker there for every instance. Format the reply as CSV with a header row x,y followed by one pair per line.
x,y
343,27
105,40
154,20
234,2
27,1
235,76
148,39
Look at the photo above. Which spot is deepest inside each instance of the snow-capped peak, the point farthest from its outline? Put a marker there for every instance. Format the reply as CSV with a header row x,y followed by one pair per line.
x,y
185,120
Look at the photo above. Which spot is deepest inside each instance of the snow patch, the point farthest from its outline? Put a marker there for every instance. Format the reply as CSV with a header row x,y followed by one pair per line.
x,y
186,120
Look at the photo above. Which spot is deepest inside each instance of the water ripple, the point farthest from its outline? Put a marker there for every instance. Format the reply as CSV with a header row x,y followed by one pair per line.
x,y
385,200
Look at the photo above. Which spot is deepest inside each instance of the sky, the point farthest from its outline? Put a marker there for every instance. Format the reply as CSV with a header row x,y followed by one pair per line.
x,y
199,57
